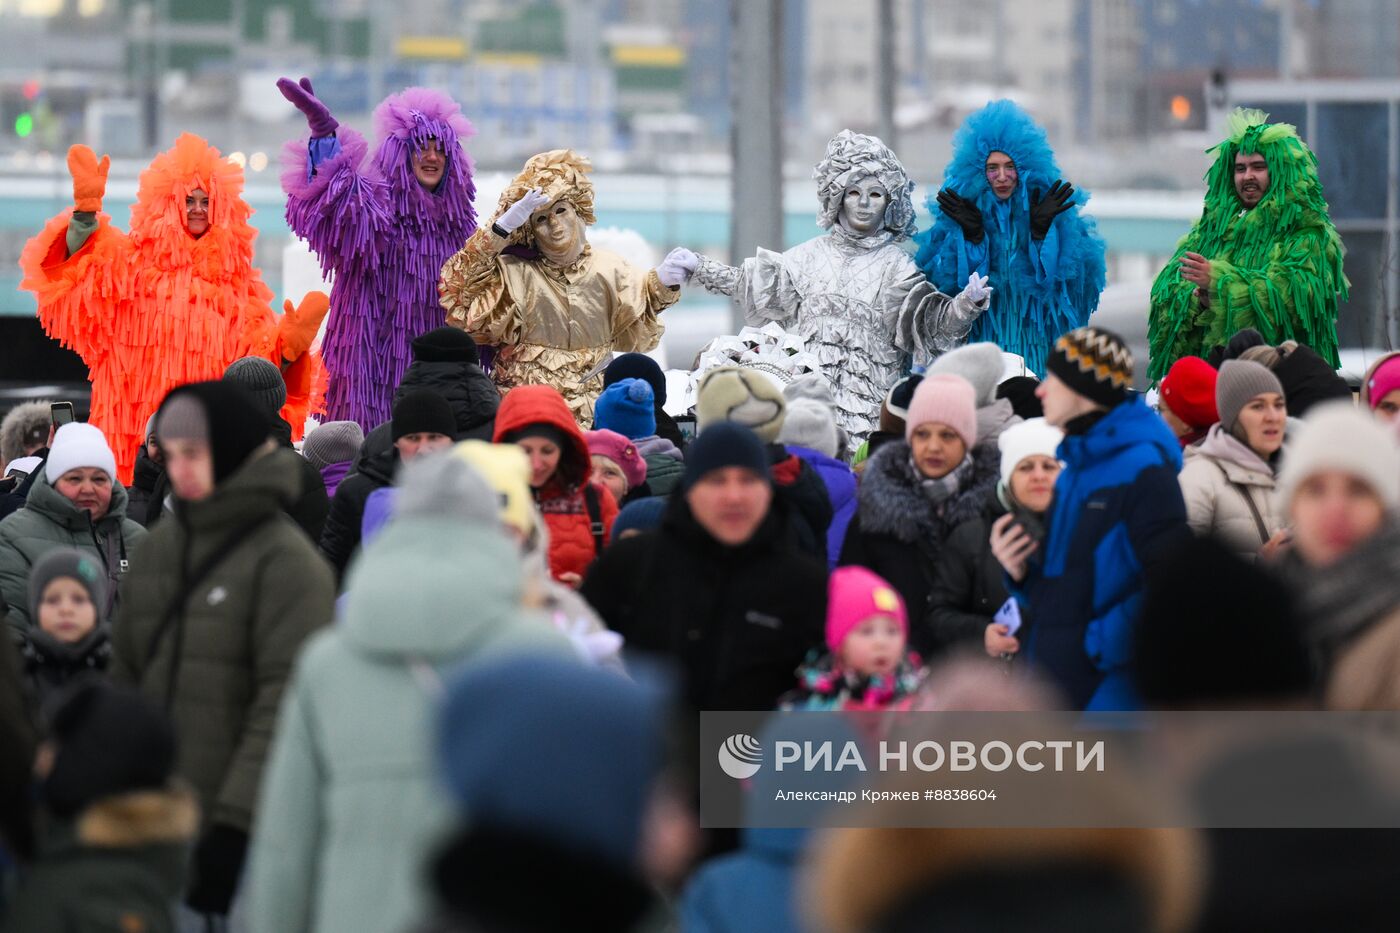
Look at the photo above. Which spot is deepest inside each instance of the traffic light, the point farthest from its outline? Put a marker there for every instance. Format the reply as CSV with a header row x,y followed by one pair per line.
x,y
24,120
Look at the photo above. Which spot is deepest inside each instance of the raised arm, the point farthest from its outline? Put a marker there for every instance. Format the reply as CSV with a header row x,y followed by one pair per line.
x,y
471,289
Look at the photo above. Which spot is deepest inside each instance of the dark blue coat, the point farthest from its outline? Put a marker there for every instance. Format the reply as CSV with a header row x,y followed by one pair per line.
x,y
752,889
841,489
1117,510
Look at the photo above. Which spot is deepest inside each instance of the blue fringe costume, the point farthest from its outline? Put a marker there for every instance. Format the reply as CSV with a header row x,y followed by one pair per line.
x,y
1041,290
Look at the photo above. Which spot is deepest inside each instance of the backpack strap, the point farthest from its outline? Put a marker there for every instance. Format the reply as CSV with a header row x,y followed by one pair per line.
x,y
595,516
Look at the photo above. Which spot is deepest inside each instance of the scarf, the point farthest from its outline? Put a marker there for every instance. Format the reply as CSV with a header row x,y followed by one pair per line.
x,y
1353,594
945,487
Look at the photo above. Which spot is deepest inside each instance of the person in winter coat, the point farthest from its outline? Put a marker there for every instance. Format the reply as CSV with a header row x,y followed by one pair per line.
x,y
915,492
1380,389
749,398
423,422
1228,481
351,803
14,487
1117,512
446,361
982,365
866,664
24,431
17,742
1306,377
149,487
332,448
525,833
968,584
639,517
577,511
1187,400
810,433
641,366
214,613
626,407
75,502
263,384
617,465
69,636
114,856
1340,487
893,411
718,590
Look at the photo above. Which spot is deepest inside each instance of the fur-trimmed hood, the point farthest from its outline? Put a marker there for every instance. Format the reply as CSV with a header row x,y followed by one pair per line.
x,y
18,422
140,818
892,503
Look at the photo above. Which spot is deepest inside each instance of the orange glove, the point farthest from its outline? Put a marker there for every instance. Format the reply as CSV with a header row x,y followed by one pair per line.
x,y
300,324
89,178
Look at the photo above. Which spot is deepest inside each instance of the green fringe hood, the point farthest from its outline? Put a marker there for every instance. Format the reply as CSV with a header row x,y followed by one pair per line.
x,y
1276,268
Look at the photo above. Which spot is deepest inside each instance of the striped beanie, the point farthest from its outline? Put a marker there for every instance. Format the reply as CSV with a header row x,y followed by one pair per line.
x,y
1095,363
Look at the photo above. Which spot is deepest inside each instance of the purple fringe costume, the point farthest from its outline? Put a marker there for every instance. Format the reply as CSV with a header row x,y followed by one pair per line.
x,y
384,237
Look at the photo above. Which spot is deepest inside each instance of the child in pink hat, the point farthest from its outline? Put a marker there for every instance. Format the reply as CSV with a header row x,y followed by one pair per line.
x,y
867,664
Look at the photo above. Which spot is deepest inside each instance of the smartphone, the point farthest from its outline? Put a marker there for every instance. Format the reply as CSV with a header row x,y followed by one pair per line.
x,y
61,413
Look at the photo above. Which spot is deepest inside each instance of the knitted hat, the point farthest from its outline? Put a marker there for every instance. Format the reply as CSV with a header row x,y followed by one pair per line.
x,y
510,728
218,413
810,424
946,400
639,515
619,450
1238,382
1384,380
333,442
110,740
446,345
981,364
855,594
506,468
440,486
743,396
261,380
637,366
628,407
724,444
1027,439
1020,392
78,444
896,405
1339,436
1095,363
74,564
1189,391
423,412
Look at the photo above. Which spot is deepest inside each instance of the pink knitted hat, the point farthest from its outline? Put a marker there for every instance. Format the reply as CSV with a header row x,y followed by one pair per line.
x,y
944,399
855,594
621,451
1384,380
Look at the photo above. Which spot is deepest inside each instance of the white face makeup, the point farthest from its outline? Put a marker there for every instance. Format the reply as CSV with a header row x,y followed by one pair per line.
x,y
863,206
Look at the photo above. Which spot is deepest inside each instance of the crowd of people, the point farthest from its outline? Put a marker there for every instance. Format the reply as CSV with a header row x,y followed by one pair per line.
x,y
438,666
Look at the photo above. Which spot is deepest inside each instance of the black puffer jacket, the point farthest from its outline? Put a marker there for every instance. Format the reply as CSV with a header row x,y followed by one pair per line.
x,y
374,469
146,494
49,664
471,393
312,506
736,621
900,534
968,582
808,507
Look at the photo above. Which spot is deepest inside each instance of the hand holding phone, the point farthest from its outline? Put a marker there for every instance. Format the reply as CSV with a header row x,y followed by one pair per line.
x,y
61,413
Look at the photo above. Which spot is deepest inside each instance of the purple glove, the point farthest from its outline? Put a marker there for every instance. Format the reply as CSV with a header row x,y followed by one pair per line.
x,y
318,115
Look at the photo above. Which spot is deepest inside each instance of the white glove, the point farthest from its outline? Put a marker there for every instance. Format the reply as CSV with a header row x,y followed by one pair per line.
x,y
518,213
678,266
977,288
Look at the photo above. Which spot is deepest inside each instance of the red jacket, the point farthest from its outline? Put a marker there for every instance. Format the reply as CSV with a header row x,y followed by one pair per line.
x,y
563,500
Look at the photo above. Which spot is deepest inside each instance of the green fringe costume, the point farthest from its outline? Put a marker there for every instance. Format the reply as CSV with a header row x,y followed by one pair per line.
x,y
1276,268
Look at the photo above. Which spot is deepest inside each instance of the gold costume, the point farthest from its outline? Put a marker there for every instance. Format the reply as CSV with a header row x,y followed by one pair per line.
x,y
552,324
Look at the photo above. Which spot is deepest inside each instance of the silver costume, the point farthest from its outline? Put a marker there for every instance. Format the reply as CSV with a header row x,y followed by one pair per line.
x,y
859,301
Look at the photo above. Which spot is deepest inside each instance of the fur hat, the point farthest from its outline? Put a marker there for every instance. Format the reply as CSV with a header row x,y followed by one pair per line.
x,y
979,363
810,424
945,399
25,426
1339,436
743,396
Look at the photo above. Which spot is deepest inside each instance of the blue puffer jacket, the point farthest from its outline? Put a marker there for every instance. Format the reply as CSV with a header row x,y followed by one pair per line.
x,y
1117,510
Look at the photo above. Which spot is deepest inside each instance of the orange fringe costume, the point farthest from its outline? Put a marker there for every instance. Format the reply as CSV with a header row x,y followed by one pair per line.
x,y
155,308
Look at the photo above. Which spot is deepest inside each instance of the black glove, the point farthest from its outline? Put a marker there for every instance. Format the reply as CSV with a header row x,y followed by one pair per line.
x,y
962,212
1045,209
218,863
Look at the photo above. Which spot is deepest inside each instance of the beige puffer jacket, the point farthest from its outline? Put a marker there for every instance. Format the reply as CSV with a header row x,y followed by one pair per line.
x,y
1229,493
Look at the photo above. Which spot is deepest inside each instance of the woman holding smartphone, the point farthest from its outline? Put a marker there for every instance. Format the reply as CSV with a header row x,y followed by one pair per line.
x,y
968,583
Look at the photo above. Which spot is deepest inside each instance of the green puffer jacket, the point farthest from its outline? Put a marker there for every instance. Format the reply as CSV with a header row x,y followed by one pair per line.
x,y
119,866
664,473
236,632
353,804
49,521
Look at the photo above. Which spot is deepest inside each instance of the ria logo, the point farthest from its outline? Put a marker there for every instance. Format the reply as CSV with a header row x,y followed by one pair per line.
x,y
740,756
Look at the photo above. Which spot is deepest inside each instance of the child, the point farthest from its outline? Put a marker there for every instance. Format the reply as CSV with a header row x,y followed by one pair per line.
x,y
67,635
867,665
